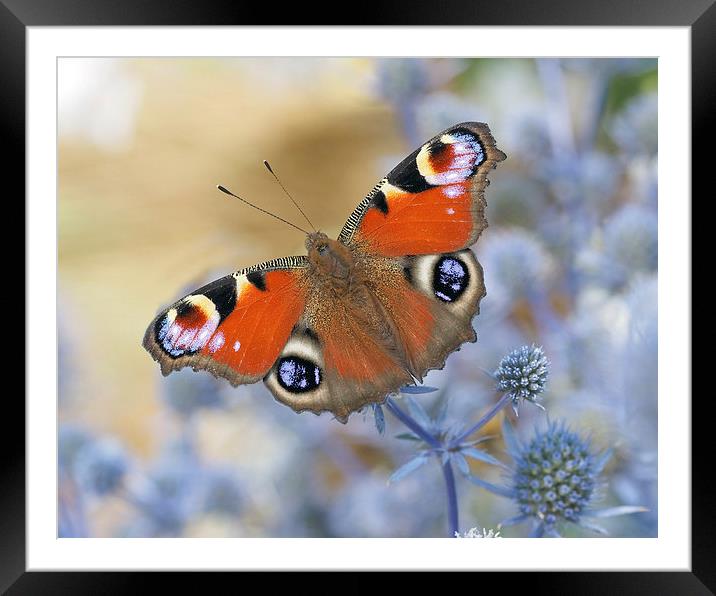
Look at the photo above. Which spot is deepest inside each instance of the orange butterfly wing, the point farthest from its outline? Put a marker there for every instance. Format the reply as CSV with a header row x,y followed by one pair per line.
x,y
433,201
234,327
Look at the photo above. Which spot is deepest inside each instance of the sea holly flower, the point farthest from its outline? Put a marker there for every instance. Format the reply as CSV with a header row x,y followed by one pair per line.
x,y
522,375
442,441
555,480
445,443
101,466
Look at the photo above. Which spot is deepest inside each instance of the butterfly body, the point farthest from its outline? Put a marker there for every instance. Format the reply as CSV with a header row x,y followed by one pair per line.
x,y
357,317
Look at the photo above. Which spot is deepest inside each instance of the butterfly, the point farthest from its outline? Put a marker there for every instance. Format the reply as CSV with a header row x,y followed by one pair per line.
x,y
359,317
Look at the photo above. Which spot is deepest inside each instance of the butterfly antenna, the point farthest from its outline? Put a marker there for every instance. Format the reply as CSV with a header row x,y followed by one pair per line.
x,y
231,194
268,167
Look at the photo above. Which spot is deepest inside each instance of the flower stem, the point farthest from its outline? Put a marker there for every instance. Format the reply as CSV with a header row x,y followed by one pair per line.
x,y
411,423
453,526
485,419
435,443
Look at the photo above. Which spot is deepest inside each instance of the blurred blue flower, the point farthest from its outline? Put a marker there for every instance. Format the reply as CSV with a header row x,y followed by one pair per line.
x,y
555,480
101,466
365,509
641,349
522,374
634,128
630,244
72,439
583,181
608,67
66,355
516,265
401,79
186,391
222,492
634,404
402,82
168,496
515,200
441,110
584,350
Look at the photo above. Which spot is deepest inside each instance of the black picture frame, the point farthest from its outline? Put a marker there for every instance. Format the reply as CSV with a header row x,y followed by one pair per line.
x,y
17,15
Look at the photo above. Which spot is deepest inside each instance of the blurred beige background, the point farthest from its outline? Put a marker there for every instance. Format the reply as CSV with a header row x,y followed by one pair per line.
x,y
140,217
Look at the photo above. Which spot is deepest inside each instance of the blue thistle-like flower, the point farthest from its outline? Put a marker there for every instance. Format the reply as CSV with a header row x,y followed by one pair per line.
x,y
555,477
522,374
555,480
101,466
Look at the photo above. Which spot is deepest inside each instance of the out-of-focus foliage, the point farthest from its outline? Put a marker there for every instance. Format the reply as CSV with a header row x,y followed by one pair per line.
x,y
570,262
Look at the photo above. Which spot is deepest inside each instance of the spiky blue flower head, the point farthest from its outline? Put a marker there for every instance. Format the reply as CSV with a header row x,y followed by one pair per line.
x,y
516,263
522,374
101,466
555,476
630,243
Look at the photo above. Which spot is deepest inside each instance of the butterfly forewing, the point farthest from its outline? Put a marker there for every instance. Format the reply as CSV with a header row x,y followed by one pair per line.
x,y
433,201
234,327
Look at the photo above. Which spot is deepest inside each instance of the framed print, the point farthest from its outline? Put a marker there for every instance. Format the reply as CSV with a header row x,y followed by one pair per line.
x,y
244,359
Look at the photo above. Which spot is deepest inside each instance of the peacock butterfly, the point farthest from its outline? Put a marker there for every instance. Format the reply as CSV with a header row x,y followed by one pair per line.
x,y
358,317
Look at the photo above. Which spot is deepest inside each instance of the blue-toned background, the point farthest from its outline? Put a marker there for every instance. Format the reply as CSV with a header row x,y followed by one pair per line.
x,y
570,262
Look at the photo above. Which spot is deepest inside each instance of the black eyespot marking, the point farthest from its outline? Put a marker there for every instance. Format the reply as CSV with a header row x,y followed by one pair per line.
x,y
297,375
436,147
408,265
310,333
380,203
450,279
407,177
258,279
224,297
184,308
160,328
408,274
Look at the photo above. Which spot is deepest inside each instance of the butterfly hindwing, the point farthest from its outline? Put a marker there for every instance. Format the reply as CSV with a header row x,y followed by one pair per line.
x,y
407,317
234,327
433,201
339,371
